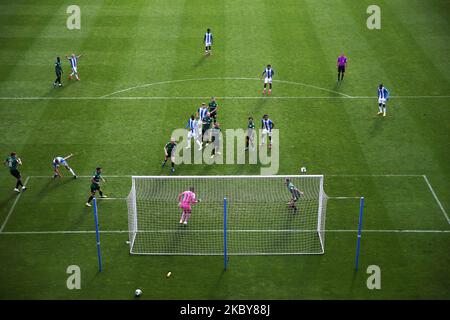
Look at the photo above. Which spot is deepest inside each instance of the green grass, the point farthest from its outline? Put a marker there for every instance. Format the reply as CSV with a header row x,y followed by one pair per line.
x,y
138,43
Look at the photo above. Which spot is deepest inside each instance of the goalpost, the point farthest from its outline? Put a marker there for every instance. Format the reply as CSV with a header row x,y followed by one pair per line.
x,y
255,218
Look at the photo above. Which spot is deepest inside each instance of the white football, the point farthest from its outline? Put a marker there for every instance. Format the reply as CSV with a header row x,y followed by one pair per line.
x,y
138,292
303,169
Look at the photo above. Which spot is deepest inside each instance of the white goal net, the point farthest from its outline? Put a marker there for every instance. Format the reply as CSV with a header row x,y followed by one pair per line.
x,y
259,217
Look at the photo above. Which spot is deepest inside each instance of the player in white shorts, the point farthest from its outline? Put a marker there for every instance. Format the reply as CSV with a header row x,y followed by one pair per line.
x,y
201,112
268,74
57,161
383,96
208,39
193,132
74,64
267,126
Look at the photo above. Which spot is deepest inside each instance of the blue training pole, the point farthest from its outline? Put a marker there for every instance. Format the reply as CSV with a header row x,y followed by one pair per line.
x,y
97,233
358,244
225,254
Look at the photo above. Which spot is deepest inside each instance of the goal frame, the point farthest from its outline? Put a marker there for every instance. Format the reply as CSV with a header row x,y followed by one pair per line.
x,y
320,224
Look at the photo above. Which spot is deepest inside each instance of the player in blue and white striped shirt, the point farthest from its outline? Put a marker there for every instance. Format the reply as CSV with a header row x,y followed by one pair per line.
x,y
208,39
73,64
267,126
383,96
57,161
268,73
194,130
202,111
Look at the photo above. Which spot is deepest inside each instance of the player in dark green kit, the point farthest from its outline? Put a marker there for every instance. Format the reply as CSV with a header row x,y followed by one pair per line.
x,y
215,139
295,194
169,152
250,134
213,108
95,185
12,162
206,125
58,72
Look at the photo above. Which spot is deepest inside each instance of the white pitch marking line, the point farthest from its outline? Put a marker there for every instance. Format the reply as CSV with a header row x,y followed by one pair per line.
x,y
326,175
64,232
315,87
227,78
334,198
392,231
13,206
344,198
373,175
51,177
219,230
436,198
221,98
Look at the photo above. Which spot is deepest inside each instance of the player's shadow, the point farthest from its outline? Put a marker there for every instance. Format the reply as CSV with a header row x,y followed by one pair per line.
x,y
53,184
337,85
59,91
86,211
7,200
200,61
377,126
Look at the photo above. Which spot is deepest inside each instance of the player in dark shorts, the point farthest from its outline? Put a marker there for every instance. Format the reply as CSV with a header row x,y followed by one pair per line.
x,y
169,152
215,139
250,137
13,162
58,72
95,185
213,108
295,194
341,64
206,126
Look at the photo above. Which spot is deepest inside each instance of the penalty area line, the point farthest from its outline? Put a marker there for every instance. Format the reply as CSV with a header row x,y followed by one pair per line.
x,y
326,175
219,97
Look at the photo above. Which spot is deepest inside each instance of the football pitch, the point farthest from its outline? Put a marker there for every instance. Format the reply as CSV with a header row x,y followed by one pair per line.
x,y
144,72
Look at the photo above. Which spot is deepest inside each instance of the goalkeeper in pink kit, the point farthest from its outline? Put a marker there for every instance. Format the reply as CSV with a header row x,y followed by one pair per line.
x,y
187,198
